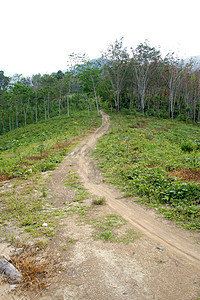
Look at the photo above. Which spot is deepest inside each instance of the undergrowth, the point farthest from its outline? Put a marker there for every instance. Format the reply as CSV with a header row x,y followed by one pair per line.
x,y
40,147
157,160
24,154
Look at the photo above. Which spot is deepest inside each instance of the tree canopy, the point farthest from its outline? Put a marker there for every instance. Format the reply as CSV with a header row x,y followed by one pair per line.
x,y
138,79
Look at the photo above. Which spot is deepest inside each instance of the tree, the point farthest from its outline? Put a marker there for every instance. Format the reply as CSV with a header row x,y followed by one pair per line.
x,y
89,76
173,75
36,84
4,81
144,63
116,58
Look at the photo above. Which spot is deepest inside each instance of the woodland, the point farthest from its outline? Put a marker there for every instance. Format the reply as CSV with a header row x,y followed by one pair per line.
x,y
121,80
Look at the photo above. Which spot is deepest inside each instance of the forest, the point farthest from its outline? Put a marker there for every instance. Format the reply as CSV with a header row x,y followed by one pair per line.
x,y
139,80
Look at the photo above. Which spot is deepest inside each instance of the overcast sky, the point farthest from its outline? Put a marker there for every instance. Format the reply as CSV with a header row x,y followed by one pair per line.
x,y
38,35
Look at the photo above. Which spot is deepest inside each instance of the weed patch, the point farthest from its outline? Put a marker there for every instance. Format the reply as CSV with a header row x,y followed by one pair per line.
x,y
105,229
27,210
155,160
40,147
99,201
37,269
74,183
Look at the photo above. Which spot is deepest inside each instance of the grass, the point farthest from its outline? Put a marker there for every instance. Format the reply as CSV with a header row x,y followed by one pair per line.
x,y
26,208
24,154
73,182
99,201
105,229
157,160
40,147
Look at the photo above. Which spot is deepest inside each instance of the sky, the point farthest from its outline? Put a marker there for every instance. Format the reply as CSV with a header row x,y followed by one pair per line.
x,y
37,36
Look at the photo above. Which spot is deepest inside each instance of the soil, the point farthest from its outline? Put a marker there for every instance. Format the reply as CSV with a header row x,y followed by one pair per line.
x,y
164,263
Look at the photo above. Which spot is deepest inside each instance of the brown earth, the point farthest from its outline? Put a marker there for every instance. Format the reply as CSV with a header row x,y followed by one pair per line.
x,y
96,270
187,175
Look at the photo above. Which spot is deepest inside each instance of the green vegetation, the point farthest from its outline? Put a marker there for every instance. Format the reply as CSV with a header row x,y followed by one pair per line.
x,y
99,201
106,227
157,160
40,147
80,192
25,207
24,154
106,230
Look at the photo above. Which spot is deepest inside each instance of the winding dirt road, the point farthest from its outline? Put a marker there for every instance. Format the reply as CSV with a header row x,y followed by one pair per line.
x,y
178,274
165,233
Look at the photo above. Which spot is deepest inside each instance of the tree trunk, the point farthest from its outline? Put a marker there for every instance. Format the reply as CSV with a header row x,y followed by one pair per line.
x,y
131,99
68,105
117,102
2,122
16,117
10,125
97,104
142,101
90,104
199,113
36,110
59,107
45,110
48,105
24,111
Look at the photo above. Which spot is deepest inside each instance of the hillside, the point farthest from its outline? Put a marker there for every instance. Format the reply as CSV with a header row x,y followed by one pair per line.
x,y
73,235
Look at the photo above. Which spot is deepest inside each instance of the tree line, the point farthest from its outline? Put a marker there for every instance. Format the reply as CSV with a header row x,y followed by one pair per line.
x,y
138,79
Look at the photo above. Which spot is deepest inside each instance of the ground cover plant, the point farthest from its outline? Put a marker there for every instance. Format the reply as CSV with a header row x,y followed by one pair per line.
x,y
39,147
157,160
24,154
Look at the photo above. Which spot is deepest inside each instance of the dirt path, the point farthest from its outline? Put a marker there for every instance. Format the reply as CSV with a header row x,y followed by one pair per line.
x,y
171,274
94,270
163,232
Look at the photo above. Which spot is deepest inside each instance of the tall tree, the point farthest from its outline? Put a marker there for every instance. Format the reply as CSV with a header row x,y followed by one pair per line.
x,y
144,63
173,75
4,81
36,84
89,76
116,58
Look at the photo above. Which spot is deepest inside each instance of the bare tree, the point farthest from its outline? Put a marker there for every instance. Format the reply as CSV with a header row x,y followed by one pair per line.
x,y
144,63
173,75
116,66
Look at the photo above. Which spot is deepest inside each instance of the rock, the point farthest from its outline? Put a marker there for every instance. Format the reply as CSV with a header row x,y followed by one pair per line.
x,y
10,271
18,251
12,287
160,248
125,293
176,263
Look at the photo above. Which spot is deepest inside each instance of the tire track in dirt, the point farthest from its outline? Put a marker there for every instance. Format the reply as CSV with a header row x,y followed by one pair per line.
x,y
179,241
